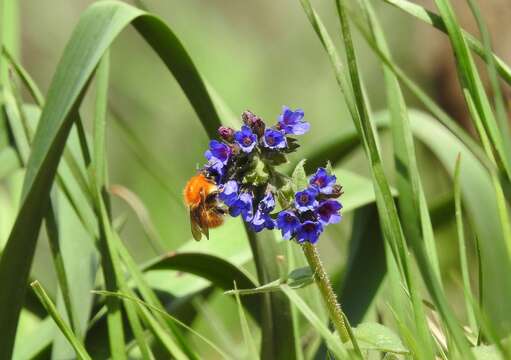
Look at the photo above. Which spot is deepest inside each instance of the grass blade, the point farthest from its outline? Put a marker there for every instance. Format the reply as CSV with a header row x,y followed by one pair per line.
x,y
436,21
52,310
361,280
462,249
332,341
98,27
245,329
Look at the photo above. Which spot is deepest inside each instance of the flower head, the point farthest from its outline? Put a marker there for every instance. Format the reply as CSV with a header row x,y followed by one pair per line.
x,y
229,192
246,139
243,205
267,202
322,181
274,139
288,223
328,212
309,231
306,199
218,152
261,220
291,122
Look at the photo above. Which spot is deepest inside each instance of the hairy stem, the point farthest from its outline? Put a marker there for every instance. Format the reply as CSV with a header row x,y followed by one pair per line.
x,y
321,278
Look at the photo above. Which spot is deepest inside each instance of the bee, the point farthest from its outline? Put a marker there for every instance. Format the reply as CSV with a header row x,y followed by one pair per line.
x,y
201,197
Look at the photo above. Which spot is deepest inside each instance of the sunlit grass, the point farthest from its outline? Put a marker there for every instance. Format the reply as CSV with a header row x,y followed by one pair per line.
x,y
393,287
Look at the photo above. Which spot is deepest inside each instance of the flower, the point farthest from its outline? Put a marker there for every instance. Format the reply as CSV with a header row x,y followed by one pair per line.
x,y
274,139
328,212
243,205
306,199
229,192
246,139
215,169
267,202
226,133
309,231
262,220
291,122
322,181
218,152
287,222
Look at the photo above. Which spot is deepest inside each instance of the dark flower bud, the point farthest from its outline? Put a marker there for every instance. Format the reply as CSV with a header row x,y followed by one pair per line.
x,y
254,122
226,133
336,191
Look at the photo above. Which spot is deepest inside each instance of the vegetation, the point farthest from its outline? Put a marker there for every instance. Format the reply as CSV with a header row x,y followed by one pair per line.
x,y
247,293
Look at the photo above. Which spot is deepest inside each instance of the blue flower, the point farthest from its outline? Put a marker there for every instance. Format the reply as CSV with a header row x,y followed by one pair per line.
x,y
218,152
322,181
229,192
291,121
262,220
309,231
288,223
267,203
243,205
306,199
216,169
274,139
328,212
246,139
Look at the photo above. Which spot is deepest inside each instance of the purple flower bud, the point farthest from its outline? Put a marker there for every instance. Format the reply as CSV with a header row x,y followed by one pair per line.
x,y
226,133
309,231
254,122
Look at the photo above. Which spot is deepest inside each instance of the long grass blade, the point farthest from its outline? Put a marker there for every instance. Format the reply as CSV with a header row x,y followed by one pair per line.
x,y
436,21
52,310
462,248
97,28
332,340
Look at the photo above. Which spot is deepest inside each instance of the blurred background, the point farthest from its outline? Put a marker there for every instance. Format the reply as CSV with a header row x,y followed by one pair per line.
x,y
256,55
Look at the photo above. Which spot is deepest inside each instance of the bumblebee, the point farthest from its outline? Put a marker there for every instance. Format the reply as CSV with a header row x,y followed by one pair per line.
x,y
201,197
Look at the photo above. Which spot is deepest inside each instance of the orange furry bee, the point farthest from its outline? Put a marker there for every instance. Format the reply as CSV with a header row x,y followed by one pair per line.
x,y
201,197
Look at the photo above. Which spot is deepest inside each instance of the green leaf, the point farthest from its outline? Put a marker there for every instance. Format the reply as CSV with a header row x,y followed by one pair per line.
x,y
374,336
52,310
479,198
245,329
215,269
165,314
258,173
362,279
436,21
278,340
299,177
97,28
332,341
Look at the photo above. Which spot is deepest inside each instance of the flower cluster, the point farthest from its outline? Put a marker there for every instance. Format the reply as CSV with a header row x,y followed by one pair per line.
x,y
312,209
243,165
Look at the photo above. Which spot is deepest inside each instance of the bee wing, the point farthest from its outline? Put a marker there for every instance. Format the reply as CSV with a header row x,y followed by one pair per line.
x,y
195,225
202,213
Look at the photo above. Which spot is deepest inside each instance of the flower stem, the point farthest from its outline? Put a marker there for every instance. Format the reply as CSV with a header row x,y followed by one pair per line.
x,y
321,278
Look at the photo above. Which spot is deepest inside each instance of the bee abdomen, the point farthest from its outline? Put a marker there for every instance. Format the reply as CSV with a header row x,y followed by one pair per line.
x,y
214,220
